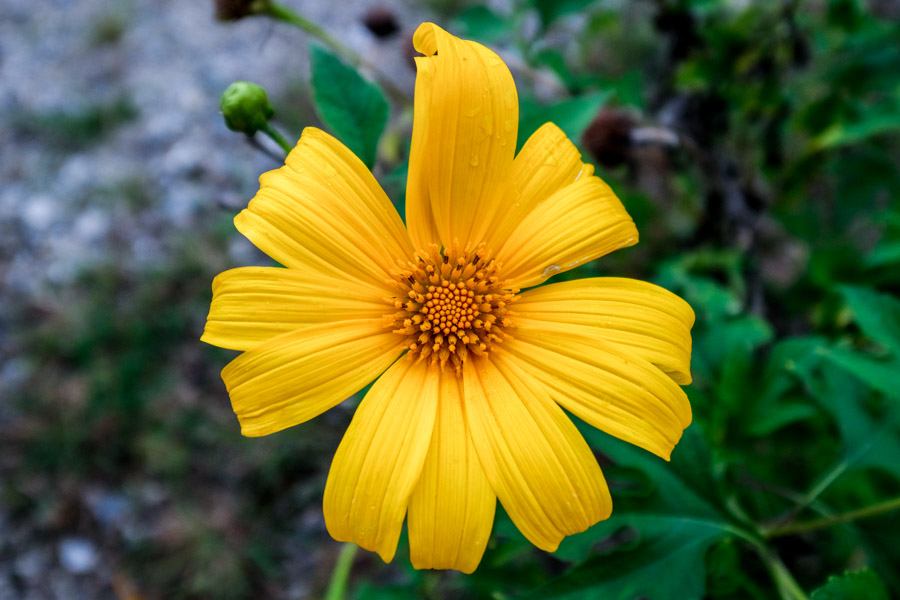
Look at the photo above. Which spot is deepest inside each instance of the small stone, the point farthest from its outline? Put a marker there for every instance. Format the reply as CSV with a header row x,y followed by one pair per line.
x,y
78,555
29,565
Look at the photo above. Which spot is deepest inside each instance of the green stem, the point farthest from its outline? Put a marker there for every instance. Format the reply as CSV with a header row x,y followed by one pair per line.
x,y
825,522
337,587
290,17
788,588
287,15
823,484
277,137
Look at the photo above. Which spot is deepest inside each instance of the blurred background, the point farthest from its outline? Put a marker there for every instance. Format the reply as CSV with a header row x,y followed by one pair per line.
x,y
755,144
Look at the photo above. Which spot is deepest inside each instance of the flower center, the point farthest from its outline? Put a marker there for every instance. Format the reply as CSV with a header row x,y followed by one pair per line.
x,y
451,304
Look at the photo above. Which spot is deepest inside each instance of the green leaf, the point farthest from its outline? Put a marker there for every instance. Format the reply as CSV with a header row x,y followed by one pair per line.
x,y
852,585
666,563
353,108
886,253
695,276
394,182
770,418
779,402
572,115
670,529
480,23
869,437
878,315
879,374
370,591
842,134
879,538
550,10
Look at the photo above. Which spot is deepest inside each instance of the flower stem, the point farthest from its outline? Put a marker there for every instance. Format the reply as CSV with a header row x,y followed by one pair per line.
x,y
256,145
788,588
822,485
825,522
289,16
276,137
337,587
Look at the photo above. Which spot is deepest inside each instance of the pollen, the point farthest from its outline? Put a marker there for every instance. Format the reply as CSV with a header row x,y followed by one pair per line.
x,y
451,305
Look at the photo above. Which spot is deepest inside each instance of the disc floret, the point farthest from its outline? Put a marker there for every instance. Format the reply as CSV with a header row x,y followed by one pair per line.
x,y
451,304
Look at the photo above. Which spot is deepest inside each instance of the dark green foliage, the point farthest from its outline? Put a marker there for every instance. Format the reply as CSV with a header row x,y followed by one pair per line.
x,y
853,585
550,10
761,163
355,109
670,523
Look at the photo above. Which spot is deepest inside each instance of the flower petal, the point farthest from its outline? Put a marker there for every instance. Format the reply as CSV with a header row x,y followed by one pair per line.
x,y
633,316
253,304
380,458
578,223
451,510
464,139
299,375
420,220
620,393
540,467
323,210
546,163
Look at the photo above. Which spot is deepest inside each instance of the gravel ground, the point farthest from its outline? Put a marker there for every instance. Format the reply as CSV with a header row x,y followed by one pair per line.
x,y
112,148
162,65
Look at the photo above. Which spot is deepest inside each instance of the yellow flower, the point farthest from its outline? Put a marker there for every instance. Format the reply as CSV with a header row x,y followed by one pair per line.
x,y
472,373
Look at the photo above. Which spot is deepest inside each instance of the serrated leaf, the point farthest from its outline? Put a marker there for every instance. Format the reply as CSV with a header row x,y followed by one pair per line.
x,y
666,563
879,538
852,585
353,108
673,528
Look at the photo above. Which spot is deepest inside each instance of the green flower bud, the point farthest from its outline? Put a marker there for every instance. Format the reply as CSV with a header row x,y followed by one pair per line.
x,y
246,107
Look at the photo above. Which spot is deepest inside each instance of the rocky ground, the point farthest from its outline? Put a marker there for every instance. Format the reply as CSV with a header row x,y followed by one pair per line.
x,y
101,97
116,166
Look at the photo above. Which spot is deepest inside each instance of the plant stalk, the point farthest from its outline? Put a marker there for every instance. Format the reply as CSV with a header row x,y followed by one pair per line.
x,y
825,522
788,588
287,15
337,587
290,17
277,137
